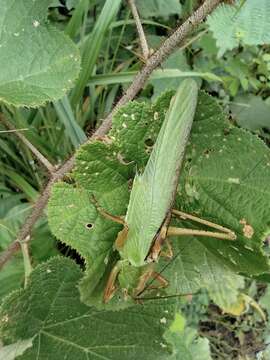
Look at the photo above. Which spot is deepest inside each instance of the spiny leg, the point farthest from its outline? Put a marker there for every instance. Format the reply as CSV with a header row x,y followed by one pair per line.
x,y
184,216
175,231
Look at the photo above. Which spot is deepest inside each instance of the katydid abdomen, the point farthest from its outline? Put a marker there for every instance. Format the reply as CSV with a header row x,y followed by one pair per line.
x,y
153,192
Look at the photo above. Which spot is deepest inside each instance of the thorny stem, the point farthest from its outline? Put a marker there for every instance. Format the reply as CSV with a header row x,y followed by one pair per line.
x,y
143,41
167,48
30,146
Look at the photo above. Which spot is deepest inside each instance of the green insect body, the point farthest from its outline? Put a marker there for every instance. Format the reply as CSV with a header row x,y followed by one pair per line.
x,y
153,192
152,195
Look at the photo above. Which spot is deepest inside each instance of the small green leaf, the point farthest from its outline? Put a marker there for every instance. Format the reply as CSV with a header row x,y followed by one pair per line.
x,y
187,345
247,23
50,312
38,62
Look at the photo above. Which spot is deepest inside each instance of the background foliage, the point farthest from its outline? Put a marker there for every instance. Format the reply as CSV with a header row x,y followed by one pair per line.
x,y
226,174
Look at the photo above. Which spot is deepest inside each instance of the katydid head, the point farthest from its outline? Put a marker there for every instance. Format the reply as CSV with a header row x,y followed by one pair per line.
x,y
126,278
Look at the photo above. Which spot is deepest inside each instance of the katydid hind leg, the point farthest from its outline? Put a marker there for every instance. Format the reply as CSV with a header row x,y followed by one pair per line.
x,y
228,233
178,231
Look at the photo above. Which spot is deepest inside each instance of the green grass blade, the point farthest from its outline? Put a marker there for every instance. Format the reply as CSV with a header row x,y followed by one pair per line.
x,y
128,76
91,49
18,181
75,22
73,130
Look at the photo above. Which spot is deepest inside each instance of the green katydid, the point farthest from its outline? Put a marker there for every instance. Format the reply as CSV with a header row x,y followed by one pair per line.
x,y
146,224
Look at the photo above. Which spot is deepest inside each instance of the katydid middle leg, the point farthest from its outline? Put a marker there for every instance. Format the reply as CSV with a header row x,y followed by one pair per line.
x,y
160,240
142,284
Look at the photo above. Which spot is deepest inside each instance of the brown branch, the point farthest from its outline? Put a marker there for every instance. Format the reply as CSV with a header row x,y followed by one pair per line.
x,y
143,41
30,146
152,63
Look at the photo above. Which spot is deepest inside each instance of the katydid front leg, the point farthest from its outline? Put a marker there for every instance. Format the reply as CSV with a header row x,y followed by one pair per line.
x,y
122,235
106,214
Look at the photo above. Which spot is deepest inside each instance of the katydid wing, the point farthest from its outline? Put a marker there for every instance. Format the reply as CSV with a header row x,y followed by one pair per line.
x,y
153,192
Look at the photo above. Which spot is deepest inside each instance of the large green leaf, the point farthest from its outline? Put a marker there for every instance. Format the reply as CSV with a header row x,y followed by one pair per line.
x,y
50,313
224,180
38,62
245,23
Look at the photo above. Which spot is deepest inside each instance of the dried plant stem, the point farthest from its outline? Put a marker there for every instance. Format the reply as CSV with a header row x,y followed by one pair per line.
x,y
30,146
143,41
169,45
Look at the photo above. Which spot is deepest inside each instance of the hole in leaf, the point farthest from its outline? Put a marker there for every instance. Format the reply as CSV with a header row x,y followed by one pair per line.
x,y
226,132
207,151
89,226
